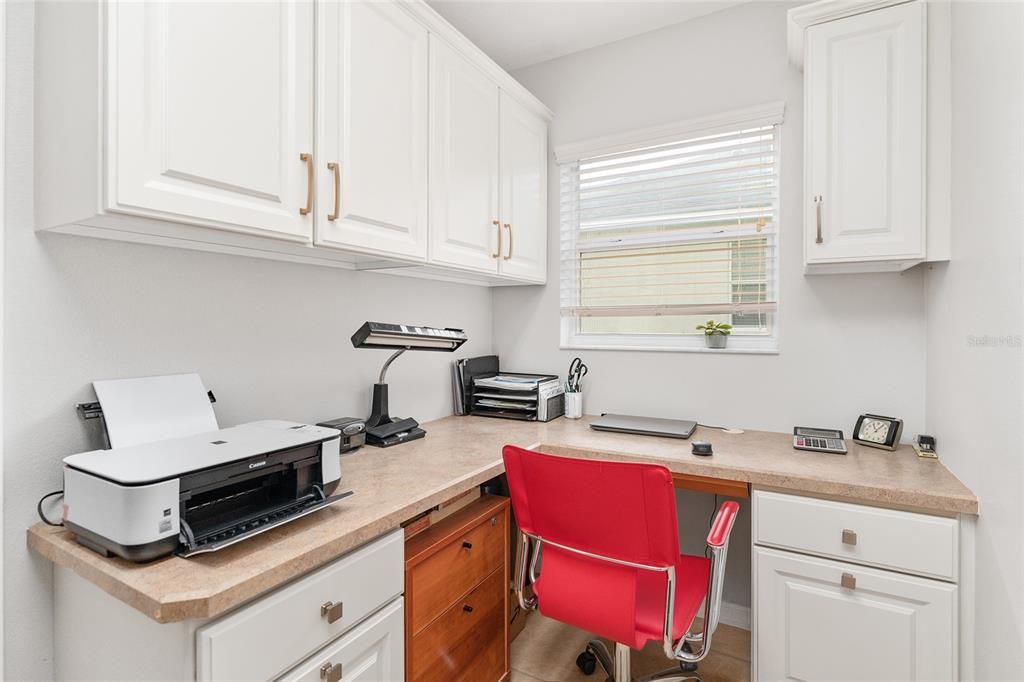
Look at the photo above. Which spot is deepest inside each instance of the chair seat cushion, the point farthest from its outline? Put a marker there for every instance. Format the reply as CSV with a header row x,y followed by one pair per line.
x,y
593,595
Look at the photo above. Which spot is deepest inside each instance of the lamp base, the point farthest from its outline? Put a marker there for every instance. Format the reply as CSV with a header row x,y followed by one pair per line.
x,y
395,433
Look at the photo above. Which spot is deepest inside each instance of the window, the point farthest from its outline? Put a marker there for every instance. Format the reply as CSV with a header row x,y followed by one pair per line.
x,y
659,237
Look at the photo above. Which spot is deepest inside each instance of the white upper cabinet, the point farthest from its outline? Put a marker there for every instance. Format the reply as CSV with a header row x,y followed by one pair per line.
x,y
865,133
314,131
372,126
464,225
524,173
210,108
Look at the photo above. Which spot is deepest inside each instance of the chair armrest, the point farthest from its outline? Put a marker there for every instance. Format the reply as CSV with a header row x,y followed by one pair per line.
x,y
721,527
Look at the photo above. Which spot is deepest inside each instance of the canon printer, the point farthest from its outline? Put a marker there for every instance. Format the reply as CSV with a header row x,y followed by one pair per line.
x,y
202,492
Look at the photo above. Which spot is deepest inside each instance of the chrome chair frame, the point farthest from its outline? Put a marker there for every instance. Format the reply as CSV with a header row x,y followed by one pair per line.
x,y
683,650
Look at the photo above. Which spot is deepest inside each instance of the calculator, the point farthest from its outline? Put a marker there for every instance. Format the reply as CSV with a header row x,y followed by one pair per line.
x,y
819,440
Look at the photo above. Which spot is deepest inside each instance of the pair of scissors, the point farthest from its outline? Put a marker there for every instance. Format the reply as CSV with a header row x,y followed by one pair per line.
x,y
577,370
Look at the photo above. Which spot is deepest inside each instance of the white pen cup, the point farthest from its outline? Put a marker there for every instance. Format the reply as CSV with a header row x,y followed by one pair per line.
x,y
574,405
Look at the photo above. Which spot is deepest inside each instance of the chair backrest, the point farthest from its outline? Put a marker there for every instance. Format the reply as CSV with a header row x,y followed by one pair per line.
x,y
618,510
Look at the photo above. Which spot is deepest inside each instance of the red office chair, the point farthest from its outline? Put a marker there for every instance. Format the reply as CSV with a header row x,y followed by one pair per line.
x,y
611,563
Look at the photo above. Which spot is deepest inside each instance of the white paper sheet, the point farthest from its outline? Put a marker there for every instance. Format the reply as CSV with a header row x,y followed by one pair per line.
x,y
154,408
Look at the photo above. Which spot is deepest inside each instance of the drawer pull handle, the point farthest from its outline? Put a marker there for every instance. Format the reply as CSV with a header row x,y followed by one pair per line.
x,y
331,611
467,608
467,545
308,160
497,224
849,537
330,672
848,581
494,520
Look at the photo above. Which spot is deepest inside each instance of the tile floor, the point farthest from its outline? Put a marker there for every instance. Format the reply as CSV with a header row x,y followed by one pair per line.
x,y
546,651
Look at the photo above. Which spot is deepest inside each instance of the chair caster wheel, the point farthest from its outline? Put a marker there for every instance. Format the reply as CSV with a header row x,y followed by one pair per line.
x,y
688,667
586,662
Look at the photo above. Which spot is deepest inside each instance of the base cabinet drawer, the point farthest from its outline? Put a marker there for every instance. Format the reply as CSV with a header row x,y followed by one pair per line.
x,y
467,641
372,652
817,619
270,635
888,538
462,562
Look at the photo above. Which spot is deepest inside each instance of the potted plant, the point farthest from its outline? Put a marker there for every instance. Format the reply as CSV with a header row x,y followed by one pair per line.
x,y
715,333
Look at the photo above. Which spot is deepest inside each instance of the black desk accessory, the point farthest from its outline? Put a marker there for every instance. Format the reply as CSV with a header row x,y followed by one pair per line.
x,y
381,429
353,432
702,448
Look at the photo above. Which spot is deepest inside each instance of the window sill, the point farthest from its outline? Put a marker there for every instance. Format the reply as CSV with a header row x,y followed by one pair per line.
x,y
670,349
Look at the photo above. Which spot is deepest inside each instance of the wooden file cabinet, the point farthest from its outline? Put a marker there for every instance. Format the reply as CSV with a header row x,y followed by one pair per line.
x,y
456,587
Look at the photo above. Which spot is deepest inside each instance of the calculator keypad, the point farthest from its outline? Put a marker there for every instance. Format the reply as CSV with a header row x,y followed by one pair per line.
x,y
824,444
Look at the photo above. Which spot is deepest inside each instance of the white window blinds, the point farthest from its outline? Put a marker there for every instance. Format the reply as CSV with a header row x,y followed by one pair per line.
x,y
655,240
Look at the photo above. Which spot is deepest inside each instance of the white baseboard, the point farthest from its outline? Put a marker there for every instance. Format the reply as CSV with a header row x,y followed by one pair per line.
x,y
735,615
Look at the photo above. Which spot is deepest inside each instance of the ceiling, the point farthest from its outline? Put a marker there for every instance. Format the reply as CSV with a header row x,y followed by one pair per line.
x,y
518,33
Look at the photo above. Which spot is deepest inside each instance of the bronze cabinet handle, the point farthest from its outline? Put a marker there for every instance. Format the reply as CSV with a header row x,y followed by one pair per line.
x,y
308,160
331,611
848,581
498,251
818,200
508,226
333,167
467,608
849,537
330,672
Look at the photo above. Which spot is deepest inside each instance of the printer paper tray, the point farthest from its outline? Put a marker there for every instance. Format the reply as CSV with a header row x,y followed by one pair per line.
x,y
185,550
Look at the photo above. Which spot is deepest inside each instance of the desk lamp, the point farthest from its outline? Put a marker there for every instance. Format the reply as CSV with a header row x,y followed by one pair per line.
x,y
381,429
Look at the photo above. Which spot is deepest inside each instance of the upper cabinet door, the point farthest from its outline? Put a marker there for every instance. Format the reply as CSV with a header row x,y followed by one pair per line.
x,y
864,136
464,225
524,209
372,126
210,108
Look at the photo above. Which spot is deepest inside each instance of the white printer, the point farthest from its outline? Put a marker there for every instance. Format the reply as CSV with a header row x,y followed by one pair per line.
x,y
201,492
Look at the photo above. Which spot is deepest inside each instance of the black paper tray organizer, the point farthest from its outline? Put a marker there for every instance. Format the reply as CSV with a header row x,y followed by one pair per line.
x,y
486,392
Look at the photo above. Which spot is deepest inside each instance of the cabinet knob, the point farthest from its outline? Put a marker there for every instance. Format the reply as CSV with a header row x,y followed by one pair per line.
x,y
331,611
466,544
494,520
330,672
849,537
848,581
467,608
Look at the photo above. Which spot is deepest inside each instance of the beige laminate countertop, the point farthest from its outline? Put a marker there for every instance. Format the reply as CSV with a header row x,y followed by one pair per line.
x,y
393,485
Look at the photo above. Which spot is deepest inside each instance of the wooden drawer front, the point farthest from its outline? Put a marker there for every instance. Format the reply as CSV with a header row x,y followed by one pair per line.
x,y
453,570
371,652
273,633
465,644
904,541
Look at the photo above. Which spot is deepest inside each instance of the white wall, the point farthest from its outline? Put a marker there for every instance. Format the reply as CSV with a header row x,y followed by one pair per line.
x,y
976,319
271,339
848,344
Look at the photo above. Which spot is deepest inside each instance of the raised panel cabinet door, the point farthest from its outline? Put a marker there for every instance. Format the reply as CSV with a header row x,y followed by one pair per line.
x,y
464,225
524,192
210,106
818,619
373,652
372,119
864,132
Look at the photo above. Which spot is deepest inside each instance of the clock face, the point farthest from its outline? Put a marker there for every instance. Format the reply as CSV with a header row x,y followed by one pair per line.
x,y
874,430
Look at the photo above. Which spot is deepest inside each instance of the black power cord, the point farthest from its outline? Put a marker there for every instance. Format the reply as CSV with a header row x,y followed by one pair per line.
x,y
39,508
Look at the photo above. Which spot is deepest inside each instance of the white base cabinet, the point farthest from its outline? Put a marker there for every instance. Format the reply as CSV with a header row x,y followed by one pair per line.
x,y
845,591
884,626
295,131
284,632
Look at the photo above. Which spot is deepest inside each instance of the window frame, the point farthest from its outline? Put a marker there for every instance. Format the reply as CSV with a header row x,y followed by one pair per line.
x,y
768,344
